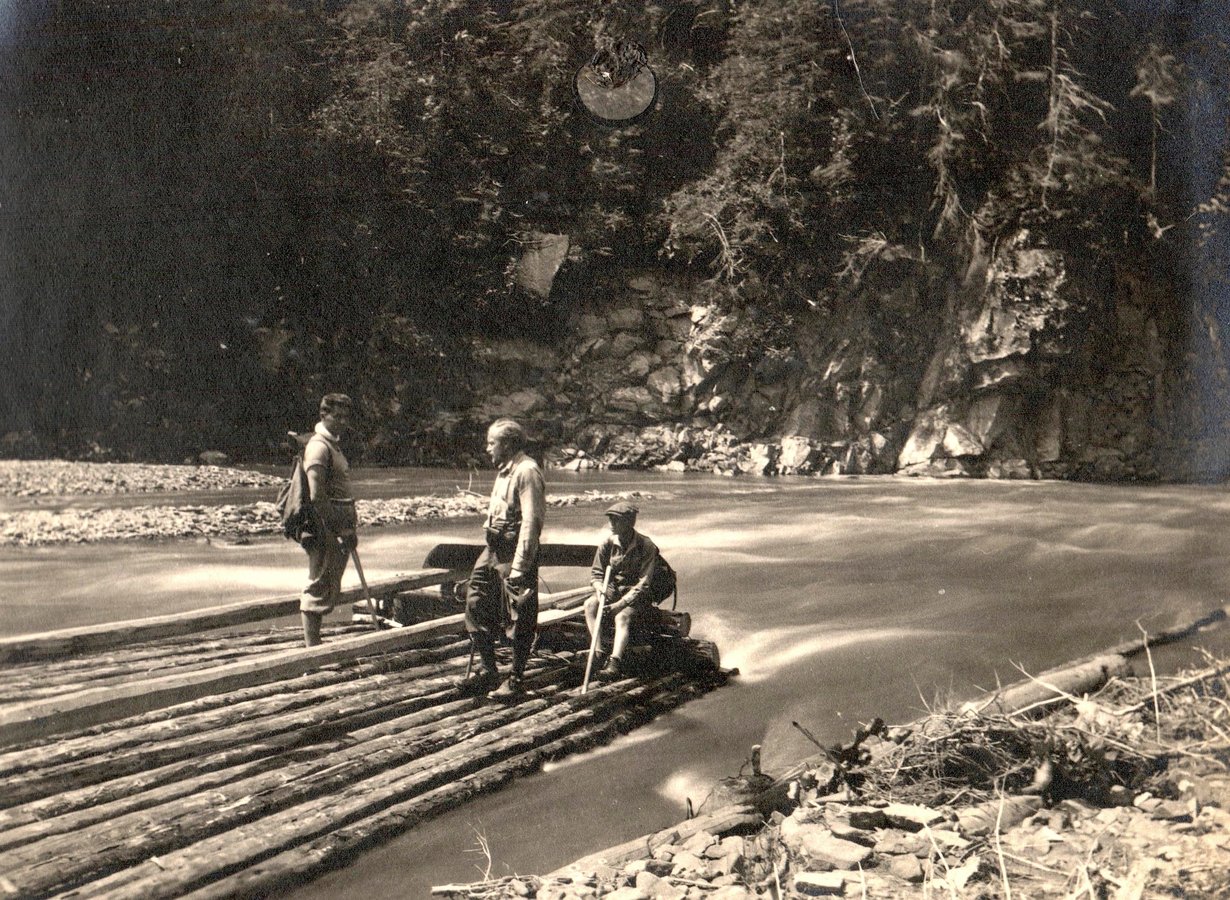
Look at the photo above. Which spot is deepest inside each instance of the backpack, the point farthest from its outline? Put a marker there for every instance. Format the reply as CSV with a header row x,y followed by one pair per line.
x,y
663,584
294,500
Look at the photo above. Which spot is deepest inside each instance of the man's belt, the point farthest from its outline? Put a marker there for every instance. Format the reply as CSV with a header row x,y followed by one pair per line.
x,y
504,535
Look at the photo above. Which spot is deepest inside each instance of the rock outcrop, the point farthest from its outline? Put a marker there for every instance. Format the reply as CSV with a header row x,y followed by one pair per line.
x,y
1014,371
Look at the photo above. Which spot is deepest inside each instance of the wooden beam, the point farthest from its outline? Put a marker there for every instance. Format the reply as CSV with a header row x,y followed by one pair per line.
x,y
69,641
30,721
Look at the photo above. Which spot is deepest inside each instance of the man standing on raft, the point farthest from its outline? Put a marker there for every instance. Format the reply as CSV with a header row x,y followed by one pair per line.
x,y
331,537
503,589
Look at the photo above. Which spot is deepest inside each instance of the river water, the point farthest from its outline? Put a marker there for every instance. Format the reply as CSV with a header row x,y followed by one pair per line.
x,y
838,599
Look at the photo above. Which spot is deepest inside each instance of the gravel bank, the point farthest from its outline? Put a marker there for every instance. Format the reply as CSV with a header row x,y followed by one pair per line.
x,y
47,478
50,478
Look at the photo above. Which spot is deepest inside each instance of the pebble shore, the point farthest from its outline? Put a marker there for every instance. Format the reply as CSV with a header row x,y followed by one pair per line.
x,y
237,522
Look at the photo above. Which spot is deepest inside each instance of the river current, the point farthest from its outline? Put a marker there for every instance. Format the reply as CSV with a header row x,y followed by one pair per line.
x,y
838,599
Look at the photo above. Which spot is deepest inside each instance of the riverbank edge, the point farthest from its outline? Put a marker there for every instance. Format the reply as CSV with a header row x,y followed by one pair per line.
x,y
238,523
843,823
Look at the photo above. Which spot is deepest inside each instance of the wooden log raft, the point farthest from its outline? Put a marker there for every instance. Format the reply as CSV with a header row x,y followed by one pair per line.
x,y
70,641
269,809
90,706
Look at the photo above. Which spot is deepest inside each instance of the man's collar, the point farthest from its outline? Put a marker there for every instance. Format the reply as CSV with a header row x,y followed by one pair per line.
x,y
325,432
512,463
631,541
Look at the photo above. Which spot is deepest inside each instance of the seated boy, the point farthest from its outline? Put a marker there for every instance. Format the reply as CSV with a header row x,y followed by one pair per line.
x,y
632,559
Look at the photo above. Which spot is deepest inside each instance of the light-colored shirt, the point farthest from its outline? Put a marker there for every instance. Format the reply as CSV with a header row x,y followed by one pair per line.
x,y
518,497
322,450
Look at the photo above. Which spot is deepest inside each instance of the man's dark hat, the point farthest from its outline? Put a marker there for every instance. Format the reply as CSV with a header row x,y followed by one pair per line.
x,y
622,509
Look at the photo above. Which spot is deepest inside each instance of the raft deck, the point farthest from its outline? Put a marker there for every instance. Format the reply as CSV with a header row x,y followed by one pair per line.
x,y
234,765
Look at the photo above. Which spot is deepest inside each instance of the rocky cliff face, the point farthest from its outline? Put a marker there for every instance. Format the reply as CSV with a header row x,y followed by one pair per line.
x,y
1012,371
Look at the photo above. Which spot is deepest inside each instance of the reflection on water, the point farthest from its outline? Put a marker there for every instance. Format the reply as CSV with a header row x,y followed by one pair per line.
x,y
839,600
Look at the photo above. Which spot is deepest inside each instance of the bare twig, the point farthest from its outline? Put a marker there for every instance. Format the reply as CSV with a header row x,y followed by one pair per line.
x,y
999,847
854,60
1157,712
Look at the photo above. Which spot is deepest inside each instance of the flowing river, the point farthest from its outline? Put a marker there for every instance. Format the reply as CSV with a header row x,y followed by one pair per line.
x,y
838,599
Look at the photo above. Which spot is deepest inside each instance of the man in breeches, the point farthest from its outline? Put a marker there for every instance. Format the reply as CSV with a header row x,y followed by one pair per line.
x,y
331,537
503,589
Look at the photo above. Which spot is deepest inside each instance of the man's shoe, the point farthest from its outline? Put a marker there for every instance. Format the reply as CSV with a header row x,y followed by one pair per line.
x,y
612,671
477,682
509,690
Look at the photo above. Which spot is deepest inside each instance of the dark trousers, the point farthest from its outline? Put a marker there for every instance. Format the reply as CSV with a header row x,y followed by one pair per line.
x,y
492,608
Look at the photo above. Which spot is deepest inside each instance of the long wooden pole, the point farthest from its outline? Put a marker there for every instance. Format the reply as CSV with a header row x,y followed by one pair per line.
x,y
377,620
593,643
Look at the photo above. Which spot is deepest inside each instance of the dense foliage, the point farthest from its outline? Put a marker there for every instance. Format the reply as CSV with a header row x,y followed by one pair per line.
x,y
213,211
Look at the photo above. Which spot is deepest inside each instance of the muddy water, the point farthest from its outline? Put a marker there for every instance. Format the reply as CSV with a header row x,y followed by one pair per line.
x,y
839,600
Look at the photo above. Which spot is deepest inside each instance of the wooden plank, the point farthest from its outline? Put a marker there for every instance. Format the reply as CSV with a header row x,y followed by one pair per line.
x,y
68,641
89,707
461,557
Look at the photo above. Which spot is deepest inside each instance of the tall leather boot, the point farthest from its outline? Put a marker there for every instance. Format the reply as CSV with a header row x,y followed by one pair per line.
x,y
311,628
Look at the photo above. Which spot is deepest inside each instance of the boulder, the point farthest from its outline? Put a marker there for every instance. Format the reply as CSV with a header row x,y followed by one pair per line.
x,y
589,325
623,318
630,399
680,327
541,258
797,455
214,458
986,418
958,441
759,460
907,868
926,437
731,892
939,468
623,344
1008,468
628,893
665,383
820,847
639,364
517,404
982,819
911,817
1000,373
